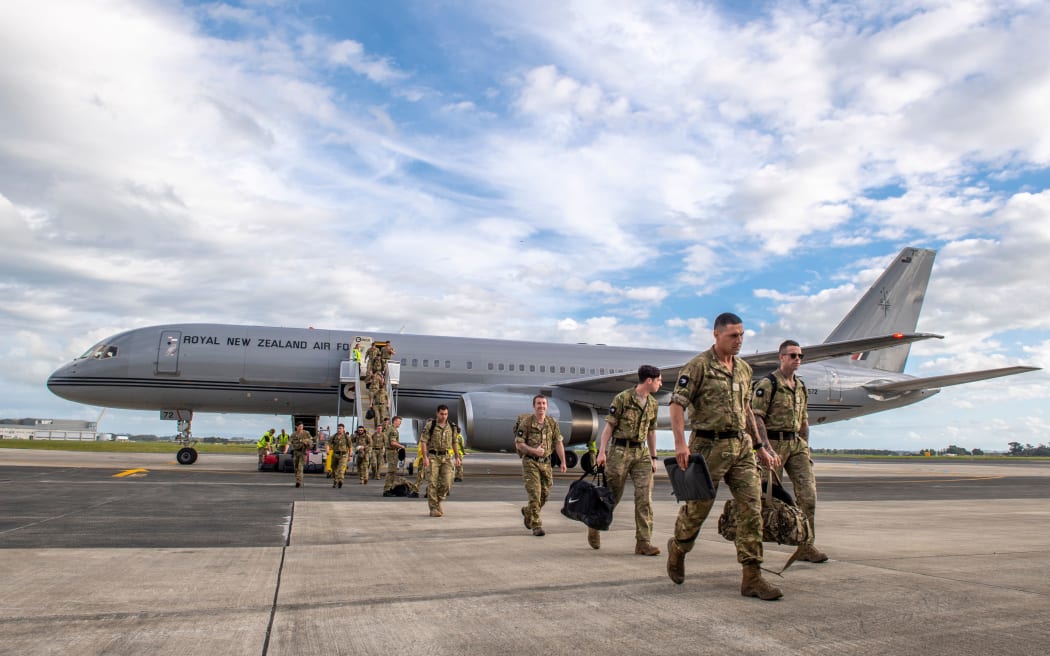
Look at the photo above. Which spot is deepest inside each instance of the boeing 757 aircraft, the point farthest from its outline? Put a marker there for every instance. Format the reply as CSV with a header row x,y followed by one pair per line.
x,y
180,369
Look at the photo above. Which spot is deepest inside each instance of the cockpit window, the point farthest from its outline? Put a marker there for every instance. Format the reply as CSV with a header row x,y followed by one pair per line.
x,y
100,351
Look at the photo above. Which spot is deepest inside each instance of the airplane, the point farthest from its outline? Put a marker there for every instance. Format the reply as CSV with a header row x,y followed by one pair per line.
x,y
182,369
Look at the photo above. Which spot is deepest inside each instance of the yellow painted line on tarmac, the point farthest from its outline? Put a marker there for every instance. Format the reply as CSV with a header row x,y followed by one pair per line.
x,y
131,472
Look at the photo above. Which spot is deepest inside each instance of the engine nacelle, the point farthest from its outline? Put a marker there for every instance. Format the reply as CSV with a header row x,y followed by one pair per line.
x,y
488,419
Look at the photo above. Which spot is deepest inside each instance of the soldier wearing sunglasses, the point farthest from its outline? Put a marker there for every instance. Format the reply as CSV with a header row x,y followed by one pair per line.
x,y
779,403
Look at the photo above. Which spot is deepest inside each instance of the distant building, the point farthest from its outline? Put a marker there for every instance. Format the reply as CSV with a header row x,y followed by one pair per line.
x,y
48,429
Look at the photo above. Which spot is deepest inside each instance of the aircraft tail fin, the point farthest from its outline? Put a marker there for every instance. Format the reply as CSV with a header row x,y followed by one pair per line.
x,y
890,305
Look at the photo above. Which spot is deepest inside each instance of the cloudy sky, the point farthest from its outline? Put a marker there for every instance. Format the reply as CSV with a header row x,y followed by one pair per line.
x,y
573,171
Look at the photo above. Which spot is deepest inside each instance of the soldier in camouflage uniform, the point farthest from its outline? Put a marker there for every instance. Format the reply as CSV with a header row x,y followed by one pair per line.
x,y
301,441
631,427
437,440
716,388
380,399
390,438
340,447
378,457
362,443
535,435
780,406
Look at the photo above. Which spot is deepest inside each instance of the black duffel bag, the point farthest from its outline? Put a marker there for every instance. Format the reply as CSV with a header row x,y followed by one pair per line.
x,y
590,503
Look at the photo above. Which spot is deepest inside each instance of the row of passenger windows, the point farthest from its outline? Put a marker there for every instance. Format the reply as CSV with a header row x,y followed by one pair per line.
x,y
500,366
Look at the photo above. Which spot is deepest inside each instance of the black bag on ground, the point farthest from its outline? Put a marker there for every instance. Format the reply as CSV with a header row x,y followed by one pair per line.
x,y
590,503
692,484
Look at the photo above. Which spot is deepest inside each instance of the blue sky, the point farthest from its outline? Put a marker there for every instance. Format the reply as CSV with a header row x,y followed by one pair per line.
x,y
615,172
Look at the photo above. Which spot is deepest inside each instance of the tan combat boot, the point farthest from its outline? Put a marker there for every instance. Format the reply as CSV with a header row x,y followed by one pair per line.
x,y
810,554
675,562
644,548
753,585
594,538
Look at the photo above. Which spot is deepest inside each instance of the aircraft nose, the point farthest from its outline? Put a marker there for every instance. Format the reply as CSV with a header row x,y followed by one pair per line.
x,y
60,376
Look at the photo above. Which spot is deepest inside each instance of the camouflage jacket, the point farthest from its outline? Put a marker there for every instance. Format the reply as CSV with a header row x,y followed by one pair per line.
x,y
302,440
630,418
339,443
783,409
532,434
715,398
438,438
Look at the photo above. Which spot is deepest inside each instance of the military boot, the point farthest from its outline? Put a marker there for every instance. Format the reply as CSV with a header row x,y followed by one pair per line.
x,y
810,554
675,562
753,585
594,538
644,548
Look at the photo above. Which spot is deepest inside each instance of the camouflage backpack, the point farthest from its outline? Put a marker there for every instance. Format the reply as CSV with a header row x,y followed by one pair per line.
x,y
782,522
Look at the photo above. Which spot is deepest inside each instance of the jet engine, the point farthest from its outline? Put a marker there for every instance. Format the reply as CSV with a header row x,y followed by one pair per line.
x,y
488,420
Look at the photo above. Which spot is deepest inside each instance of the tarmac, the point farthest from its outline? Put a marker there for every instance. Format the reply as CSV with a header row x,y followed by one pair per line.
x,y
133,554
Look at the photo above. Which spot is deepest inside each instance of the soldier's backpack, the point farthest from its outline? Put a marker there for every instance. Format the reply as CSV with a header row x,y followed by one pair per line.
x,y
590,503
403,487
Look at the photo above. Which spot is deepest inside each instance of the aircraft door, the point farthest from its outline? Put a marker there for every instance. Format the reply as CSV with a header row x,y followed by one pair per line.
x,y
168,352
834,384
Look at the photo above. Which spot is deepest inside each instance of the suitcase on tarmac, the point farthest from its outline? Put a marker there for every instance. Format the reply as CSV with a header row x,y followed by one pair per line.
x,y
314,463
285,463
269,462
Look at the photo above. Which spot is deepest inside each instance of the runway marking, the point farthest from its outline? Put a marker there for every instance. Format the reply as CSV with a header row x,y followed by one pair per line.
x,y
131,472
923,480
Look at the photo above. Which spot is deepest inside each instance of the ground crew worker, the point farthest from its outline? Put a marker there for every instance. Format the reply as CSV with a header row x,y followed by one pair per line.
x,y
265,445
535,435
282,442
362,443
716,388
631,427
339,445
391,437
780,406
421,471
301,442
436,440
463,454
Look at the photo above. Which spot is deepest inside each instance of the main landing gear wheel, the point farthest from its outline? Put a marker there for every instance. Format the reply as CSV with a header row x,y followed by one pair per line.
x,y
570,459
587,462
186,456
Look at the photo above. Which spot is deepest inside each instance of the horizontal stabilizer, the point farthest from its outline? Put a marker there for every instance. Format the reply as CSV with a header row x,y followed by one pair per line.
x,y
765,362
761,363
935,382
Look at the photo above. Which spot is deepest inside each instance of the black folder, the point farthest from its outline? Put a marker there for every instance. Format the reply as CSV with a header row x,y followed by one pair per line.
x,y
694,483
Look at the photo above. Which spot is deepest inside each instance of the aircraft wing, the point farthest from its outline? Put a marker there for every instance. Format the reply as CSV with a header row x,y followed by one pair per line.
x,y
762,363
935,382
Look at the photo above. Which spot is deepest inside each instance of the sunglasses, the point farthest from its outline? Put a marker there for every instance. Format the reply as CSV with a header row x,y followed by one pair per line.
x,y
794,356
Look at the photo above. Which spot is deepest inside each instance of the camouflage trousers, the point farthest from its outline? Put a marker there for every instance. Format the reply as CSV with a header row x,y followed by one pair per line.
x,y
538,480
298,460
381,408
363,464
440,480
796,458
623,462
391,469
375,462
733,461
339,459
